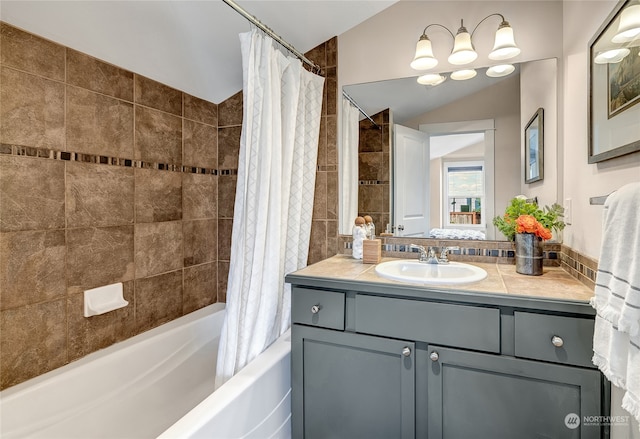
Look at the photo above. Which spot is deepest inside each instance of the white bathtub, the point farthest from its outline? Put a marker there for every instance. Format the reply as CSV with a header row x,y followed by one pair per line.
x,y
159,383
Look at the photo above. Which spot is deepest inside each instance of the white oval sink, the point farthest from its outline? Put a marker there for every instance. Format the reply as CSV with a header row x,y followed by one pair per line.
x,y
453,273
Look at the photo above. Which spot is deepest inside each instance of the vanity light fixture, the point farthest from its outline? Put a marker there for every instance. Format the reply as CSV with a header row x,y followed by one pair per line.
x,y
463,51
611,56
461,75
500,70
629,27
431,79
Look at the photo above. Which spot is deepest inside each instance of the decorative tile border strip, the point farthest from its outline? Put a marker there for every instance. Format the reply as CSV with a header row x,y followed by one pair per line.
x,y
52,154
501,252
372,182
579,266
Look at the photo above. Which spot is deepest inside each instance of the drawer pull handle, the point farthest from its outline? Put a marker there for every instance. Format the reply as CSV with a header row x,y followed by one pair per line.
x,y
434,356
406,351
557,341
315,309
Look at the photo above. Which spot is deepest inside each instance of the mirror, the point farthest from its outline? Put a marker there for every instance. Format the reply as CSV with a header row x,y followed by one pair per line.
x,y
454,114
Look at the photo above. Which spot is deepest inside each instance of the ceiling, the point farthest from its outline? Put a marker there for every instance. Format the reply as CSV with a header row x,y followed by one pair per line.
x,y
190,45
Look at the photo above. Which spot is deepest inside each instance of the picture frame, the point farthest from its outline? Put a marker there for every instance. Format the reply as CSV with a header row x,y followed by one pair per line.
x,y
534,148
614,90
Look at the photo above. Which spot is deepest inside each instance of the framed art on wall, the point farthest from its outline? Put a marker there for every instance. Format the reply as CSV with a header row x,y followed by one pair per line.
x,y
534,148
614,84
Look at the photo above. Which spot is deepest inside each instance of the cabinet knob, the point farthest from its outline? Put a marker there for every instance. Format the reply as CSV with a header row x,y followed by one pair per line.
x,y
406,351
557,341
434,356
315,309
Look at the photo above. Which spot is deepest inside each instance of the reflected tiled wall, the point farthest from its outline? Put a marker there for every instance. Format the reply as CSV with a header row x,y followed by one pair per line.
x,y
373,170
105,176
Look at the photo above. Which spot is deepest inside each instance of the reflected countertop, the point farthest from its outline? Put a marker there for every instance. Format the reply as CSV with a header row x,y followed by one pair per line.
x,y
501,280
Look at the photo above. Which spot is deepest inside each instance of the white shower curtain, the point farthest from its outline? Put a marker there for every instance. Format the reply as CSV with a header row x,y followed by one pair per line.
x,y
349,163
274,198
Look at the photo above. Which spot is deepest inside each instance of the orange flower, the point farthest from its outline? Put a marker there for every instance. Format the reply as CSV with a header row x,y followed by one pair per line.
x,y
543,232
526,224
529,224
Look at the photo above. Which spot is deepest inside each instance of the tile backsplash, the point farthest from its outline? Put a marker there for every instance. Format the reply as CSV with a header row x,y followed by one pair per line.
x,y
108,176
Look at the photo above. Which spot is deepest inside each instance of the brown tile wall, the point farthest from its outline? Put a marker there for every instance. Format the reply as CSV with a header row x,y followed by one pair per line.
x,y
107,176
324,224
373,170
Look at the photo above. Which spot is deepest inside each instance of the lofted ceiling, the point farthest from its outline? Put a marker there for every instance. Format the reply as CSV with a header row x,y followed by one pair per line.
x,y
190,45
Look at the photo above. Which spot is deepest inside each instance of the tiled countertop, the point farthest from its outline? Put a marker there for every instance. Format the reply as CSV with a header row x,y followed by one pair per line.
x,y
554,283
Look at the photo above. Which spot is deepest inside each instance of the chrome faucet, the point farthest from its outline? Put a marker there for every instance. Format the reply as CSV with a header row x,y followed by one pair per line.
x,y
427,255
443,259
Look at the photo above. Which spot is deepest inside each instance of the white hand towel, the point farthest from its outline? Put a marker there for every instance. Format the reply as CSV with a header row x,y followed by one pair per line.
x,y
617,293
631,399
616,341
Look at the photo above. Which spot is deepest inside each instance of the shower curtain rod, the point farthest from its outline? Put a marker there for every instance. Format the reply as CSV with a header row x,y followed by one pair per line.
x,y
272,34
364,113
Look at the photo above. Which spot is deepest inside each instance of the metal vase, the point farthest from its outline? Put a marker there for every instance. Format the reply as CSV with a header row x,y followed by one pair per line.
x,y
529,252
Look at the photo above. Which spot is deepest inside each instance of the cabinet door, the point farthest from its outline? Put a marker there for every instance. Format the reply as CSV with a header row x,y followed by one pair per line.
x,y
474,395
347,385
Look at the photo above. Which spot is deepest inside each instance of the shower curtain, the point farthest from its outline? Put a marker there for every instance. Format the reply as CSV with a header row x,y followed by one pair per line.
x,y
349,162
274,198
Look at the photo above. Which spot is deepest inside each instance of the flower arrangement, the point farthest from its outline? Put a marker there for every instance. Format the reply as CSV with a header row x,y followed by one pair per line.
x,y
523,217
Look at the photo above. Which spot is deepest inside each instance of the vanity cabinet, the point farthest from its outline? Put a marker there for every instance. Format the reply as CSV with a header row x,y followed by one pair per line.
x,y
475,395
384,361
355,386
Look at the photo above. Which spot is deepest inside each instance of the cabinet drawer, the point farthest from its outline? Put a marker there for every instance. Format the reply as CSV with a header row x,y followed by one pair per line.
x,y
534,334
318,308
439,323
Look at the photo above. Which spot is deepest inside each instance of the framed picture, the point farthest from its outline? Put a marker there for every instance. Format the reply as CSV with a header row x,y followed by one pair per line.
x,y
534,148
614,85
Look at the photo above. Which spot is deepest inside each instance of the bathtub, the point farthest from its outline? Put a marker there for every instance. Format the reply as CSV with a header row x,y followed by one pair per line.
x,y
157,384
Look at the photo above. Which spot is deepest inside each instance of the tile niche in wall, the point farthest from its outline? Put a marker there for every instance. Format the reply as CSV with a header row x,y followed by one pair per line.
x,y
107,176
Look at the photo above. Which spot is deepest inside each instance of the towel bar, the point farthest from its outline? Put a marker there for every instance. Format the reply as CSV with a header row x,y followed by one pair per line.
x,y
598,201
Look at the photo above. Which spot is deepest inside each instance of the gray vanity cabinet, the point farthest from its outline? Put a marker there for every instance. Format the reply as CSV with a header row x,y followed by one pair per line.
x,y
379,361
351,386
477,395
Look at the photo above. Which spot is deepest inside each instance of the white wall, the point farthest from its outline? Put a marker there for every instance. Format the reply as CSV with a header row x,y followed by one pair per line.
x,y
580,179
383,46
